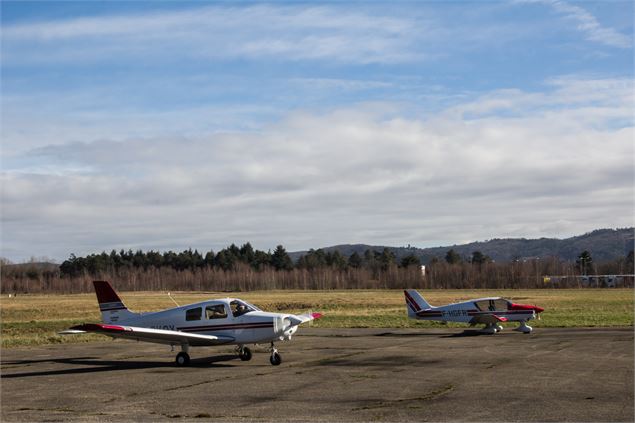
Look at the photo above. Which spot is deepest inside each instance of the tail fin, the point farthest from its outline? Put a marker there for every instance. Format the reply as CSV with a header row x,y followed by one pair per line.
x,y
111,307
415,302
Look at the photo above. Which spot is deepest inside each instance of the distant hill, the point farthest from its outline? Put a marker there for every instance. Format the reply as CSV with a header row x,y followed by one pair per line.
x,y
603,244
37,266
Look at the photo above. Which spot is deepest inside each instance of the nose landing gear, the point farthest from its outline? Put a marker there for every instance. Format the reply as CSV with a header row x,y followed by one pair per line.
x,y
524,327
275,358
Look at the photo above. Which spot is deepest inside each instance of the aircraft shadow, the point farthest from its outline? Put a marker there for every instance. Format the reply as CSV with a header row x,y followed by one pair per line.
x,y
466,332
417,334
98,365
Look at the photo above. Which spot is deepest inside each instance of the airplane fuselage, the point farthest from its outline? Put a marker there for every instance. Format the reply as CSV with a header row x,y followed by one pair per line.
x,y
466,312
214,317
491,312
207,323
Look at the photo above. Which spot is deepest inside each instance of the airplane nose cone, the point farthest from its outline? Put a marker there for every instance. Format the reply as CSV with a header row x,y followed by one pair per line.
x,y
538,309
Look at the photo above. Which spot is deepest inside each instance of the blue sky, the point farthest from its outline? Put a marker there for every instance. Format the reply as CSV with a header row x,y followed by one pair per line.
x,y
168,125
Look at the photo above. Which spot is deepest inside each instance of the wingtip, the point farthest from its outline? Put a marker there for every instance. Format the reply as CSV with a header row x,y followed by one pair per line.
x,y
316,315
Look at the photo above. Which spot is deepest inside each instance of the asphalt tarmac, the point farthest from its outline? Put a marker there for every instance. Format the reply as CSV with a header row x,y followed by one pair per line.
x,y
333,375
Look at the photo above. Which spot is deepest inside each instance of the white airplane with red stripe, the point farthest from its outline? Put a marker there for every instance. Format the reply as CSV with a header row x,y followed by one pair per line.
x,y
491,312
227,321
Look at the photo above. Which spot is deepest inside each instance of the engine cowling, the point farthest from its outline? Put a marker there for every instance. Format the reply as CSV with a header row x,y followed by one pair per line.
x,y
284,327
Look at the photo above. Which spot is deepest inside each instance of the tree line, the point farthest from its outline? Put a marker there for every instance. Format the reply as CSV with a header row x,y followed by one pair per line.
x,y
244,268
229,259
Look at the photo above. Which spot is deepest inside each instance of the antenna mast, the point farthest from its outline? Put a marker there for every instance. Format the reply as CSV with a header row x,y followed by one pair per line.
x,y
173,300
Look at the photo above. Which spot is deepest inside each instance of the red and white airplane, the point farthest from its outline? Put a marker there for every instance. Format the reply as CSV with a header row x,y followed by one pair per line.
x,y
489,311
227,321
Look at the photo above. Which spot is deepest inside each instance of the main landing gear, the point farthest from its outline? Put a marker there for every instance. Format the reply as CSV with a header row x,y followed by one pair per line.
x,y
492,328
183,358
244,353
489,329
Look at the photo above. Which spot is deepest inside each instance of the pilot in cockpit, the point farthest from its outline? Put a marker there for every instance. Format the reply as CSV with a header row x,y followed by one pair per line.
x,y
238,308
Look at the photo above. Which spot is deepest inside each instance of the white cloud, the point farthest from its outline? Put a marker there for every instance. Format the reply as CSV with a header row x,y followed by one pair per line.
x,y
588,24
560,159
284,32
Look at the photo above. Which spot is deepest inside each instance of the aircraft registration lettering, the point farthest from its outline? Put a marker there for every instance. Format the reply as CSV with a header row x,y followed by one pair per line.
x,y
455,313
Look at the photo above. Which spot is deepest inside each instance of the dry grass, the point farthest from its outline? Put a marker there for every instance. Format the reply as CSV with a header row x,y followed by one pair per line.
x,y
35,319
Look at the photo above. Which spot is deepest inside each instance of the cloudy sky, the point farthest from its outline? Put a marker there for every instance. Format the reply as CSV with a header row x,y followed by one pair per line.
x,y
169,125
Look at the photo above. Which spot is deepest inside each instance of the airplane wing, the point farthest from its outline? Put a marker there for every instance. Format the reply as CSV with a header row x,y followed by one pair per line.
x,y
159,336
487,318
303,318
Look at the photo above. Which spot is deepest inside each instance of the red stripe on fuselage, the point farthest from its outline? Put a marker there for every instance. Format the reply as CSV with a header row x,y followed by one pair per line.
x,y
440,313
475,312
255,325
429,313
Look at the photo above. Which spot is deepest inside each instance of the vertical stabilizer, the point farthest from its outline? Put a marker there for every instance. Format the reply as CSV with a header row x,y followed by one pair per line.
x,y
112,308
415,302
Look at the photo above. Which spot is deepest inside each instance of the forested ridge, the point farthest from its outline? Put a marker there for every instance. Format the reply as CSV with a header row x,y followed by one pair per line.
x,y
603,244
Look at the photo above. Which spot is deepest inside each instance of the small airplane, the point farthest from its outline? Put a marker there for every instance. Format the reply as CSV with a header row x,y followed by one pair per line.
x,y
227,321
489,311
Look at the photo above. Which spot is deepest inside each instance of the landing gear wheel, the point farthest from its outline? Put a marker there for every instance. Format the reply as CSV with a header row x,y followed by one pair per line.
x,y
182,359
244,354
275,359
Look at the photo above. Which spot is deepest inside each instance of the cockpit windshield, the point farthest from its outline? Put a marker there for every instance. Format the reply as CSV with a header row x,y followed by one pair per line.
x,y
241,307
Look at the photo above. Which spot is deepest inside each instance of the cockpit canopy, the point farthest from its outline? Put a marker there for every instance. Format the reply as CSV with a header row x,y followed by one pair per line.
x,y
218,309
493,304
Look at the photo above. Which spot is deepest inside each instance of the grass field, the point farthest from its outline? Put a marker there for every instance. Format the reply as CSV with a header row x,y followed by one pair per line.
x,y
35,319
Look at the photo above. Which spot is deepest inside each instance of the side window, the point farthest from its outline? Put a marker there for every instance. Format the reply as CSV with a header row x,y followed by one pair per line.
x,y
215,311
500,305
482,305
194,314
239,308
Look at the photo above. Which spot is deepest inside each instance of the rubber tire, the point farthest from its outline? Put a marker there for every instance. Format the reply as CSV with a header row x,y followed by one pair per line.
x,y
182,359
245,354
275,359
